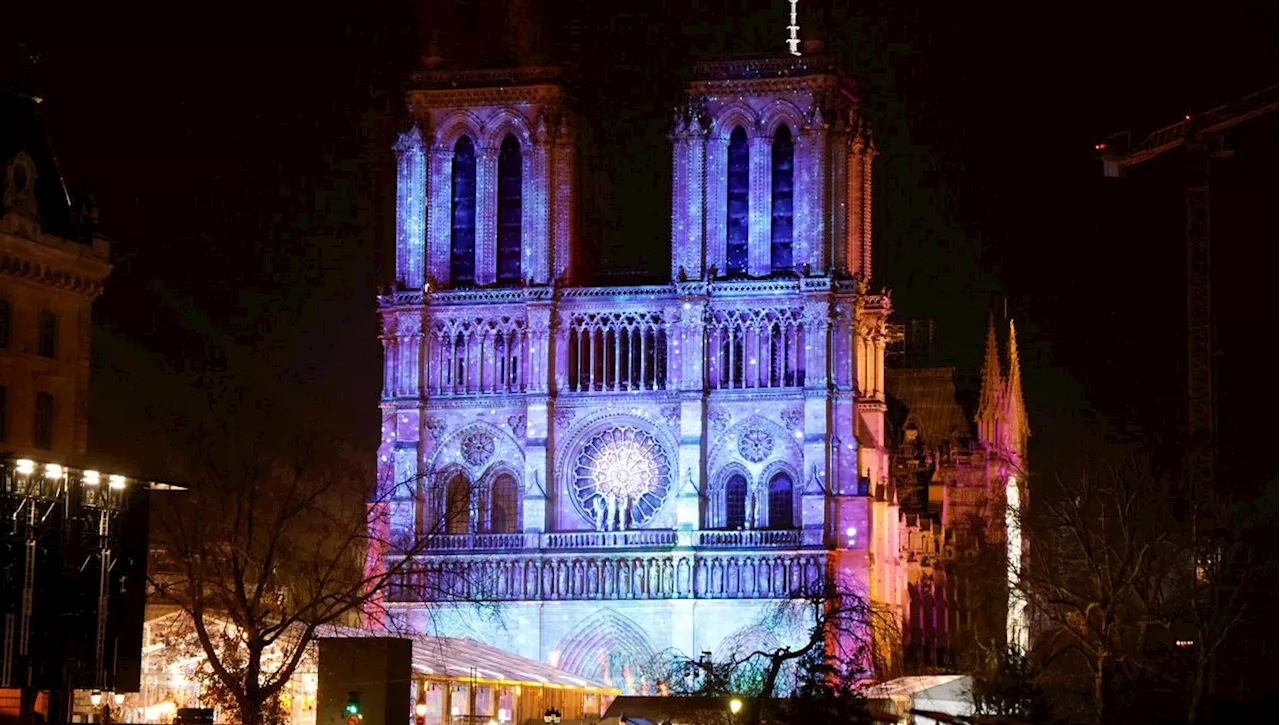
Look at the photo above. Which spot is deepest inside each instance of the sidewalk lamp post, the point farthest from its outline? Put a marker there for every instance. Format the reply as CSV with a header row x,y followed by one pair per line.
x,y
551,716
420,708
735,706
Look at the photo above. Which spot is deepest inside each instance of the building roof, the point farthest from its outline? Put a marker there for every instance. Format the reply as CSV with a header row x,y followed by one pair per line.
x,y
910,686
22,130
463,658
927,396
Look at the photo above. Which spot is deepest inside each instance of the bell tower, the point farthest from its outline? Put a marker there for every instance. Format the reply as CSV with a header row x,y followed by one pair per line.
x,y
771,172
486,180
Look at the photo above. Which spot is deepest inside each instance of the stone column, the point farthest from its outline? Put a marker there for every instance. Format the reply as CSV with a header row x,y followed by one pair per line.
x,y
411,209
760,207
543,354
715,201
486,215
439,214
563,183
535,212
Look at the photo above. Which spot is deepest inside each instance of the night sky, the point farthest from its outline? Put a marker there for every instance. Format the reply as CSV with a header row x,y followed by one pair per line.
x,y
241,160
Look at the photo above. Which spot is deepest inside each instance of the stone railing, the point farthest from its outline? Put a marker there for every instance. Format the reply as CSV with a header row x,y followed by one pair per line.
x,y
475,542
609,577
755,538
609,539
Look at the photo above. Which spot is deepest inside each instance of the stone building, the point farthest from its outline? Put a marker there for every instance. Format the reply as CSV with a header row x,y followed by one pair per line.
x,y
636,469
51,268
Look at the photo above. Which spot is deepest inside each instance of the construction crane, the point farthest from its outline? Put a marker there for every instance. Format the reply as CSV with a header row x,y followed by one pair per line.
x,y
1201,135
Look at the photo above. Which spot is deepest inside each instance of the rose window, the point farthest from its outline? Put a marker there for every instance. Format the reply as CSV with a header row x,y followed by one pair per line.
x,y
626,464
755,444
477,448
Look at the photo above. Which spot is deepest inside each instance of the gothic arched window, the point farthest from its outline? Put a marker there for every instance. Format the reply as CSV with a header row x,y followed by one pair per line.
x,y
737,193
509,202
735,502
462,247
457,505
502,506
780,229
781,502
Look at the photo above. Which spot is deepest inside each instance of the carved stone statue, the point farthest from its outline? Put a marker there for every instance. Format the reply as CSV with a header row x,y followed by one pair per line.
x,y
611,508
599,506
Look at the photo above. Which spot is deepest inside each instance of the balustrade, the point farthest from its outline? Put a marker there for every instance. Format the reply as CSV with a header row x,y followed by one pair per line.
x,y
664,576
757,537
475,542
609,539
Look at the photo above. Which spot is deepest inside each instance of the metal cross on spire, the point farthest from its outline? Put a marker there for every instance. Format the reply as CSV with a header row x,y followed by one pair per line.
x,y
793,40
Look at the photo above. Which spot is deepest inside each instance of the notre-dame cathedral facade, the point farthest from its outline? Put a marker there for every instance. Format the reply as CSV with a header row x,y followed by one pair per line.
x,y
636,469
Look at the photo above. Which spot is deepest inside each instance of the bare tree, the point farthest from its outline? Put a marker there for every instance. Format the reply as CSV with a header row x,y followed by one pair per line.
x,y
1099,578
840,638
271,544
1212,597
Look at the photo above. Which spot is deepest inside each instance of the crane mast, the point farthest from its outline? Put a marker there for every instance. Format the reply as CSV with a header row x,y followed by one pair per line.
x,y
1201,136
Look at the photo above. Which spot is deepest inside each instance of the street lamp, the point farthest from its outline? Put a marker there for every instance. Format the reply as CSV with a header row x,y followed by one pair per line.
x,y
119,698
96,698
735,706
551,716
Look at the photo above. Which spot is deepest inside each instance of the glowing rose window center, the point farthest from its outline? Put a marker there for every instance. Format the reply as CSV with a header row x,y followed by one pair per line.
x,y
620,478
625,468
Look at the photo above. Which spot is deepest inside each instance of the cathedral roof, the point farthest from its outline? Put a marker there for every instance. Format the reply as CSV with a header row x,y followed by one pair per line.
x,y
927,397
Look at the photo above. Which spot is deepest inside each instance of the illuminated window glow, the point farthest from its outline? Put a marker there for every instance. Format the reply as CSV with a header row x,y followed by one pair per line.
x,y
781,226
462,256
509,210
738,204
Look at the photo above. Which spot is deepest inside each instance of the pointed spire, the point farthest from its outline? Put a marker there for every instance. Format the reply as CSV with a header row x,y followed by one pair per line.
x,y
1015,415
993,388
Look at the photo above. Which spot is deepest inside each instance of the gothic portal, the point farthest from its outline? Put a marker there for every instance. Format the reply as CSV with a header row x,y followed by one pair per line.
x,y
631,470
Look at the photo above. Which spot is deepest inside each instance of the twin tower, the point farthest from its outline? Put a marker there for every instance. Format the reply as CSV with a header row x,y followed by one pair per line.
x,y
653,463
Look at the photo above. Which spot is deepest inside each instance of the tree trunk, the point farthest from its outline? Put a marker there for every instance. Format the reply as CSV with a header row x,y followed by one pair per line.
x,y
1101,689
1197,688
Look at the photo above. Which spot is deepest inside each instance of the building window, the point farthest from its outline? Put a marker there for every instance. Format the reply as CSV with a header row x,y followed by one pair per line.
x,y
6,322
737,191
457,506
48,333
502,506
462,249
783,176
781,502
43,437
735,502
509,212
4,411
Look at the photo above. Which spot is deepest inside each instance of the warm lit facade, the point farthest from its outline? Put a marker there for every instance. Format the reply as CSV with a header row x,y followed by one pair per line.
x,y
642,468
51,269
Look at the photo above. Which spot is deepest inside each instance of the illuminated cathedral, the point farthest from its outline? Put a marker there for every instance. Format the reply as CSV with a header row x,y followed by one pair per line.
x,y
637,469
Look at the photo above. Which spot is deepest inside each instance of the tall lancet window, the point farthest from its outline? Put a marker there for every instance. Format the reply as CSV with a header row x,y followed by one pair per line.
x,y
781,502
462,248
738,190
783,177
509,212
735,502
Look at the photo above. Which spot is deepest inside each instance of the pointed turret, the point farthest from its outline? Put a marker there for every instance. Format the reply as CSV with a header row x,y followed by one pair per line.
x,y
993,390
1015,411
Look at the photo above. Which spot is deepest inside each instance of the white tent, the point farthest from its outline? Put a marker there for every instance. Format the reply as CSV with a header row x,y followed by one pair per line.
x,y
913,699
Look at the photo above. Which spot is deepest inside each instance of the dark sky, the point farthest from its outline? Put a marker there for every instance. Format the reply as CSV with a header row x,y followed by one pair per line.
x,y
240,156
